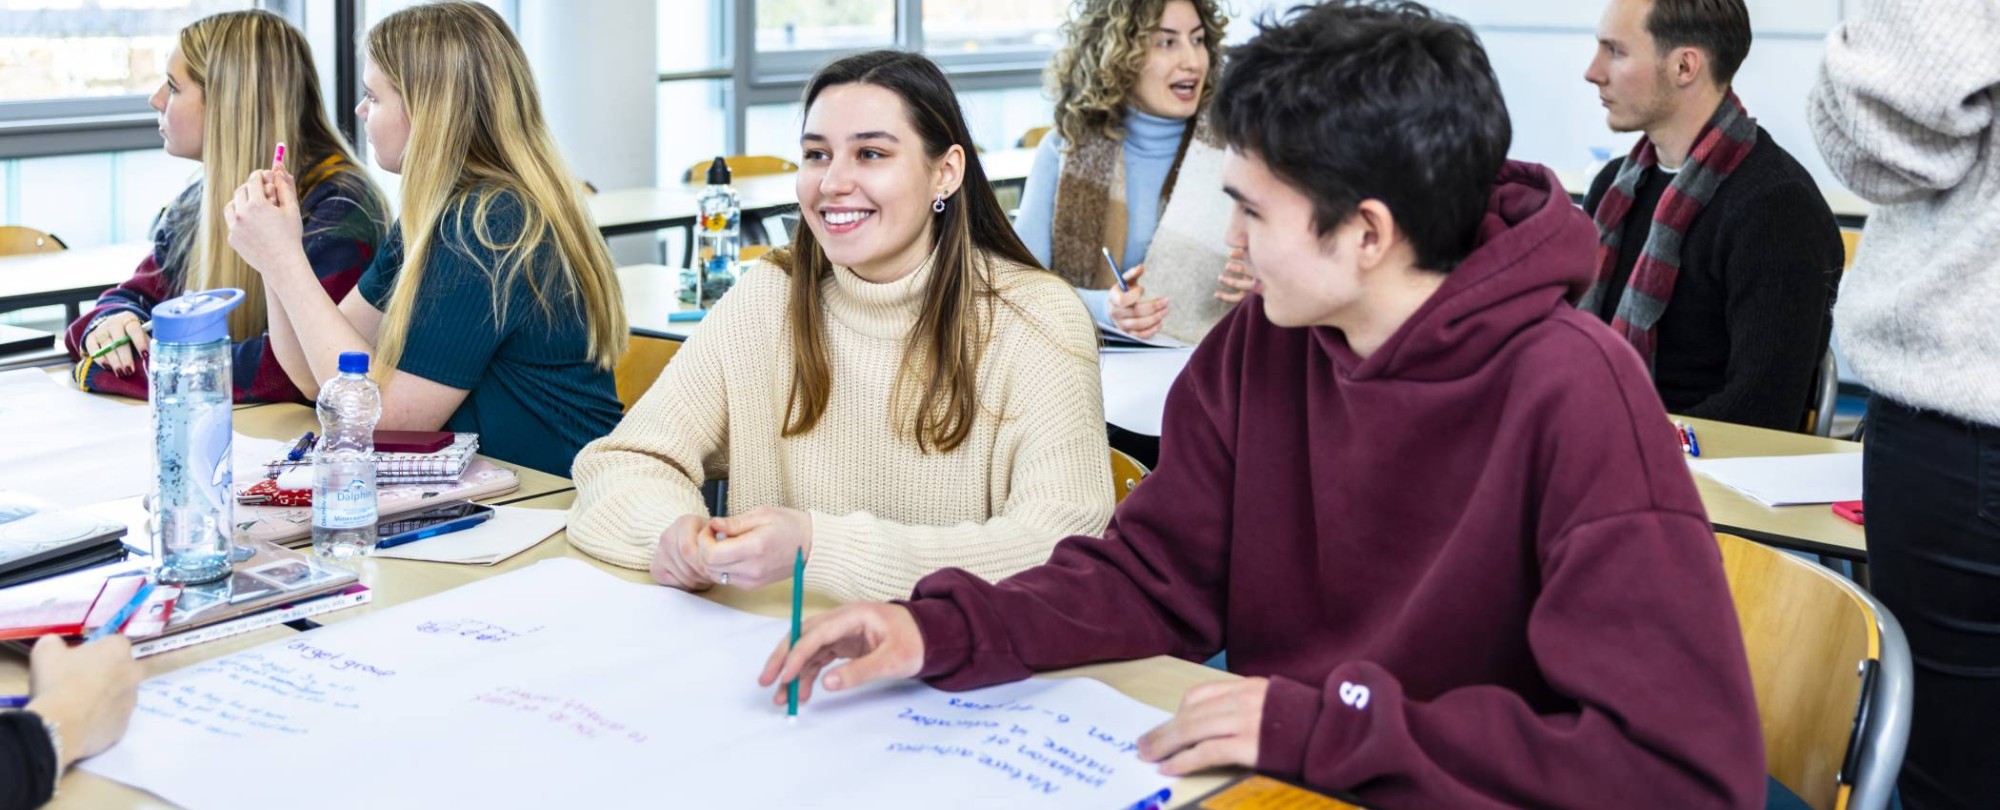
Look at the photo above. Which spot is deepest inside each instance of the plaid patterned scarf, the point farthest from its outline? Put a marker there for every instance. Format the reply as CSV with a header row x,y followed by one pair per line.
x,y
1719,148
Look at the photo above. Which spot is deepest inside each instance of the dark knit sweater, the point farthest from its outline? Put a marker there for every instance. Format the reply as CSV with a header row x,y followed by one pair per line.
x,y
27,761
1749,319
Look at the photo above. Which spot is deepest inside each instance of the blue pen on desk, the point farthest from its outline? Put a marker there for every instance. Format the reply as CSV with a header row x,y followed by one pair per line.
x,y
300,447
447,527
1153,802
13,701
123,615
1115,272
685,316
1694,444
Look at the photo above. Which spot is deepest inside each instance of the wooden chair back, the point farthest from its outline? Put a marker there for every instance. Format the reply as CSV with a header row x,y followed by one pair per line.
x,y
1126,473
1807,635
741,166
645,358
16,240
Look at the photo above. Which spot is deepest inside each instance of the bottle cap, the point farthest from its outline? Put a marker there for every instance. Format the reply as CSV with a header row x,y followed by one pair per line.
x,y
198,317
354,362
718,172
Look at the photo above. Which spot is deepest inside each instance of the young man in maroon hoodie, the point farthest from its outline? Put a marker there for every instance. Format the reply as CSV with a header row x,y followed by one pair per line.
x,y
1434,512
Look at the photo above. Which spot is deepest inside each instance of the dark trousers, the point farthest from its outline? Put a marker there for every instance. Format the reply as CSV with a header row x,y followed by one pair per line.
x,y
1932,486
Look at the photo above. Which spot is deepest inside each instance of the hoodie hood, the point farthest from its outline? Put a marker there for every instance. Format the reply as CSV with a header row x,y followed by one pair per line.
x,y
1535,252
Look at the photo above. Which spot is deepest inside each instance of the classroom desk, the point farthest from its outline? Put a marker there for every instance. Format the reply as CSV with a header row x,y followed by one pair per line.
x,y
62,374
651,293
66,277
1849,210
643,210
285,421
1812,528
1159,682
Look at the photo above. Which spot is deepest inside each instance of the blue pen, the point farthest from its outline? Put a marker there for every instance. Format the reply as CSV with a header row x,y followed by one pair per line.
x,y
1115,272
123,615
300,447
434,530
1694,445
1153,802
13,701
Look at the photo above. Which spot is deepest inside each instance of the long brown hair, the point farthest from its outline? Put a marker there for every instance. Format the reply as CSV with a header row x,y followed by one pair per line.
x,y
940,364
476,134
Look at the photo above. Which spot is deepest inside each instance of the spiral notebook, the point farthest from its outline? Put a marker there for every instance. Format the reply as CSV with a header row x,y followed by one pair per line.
x,y
440,467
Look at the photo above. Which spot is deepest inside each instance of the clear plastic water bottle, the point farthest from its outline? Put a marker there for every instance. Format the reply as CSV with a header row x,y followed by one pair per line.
x,y
717,237
190,381
344,461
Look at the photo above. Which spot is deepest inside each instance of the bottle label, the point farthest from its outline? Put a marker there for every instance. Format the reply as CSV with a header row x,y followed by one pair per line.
x,y
348,507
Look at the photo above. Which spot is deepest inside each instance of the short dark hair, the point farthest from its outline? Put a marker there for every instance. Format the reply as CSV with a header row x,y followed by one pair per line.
x,y
1720,28
1352,100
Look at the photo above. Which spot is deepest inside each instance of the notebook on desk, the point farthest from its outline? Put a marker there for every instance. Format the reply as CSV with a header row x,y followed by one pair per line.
x,y
37,542
292,525
442,466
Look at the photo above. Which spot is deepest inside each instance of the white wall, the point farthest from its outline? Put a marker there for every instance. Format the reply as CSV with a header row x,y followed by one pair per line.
x,y
595,65
1540,48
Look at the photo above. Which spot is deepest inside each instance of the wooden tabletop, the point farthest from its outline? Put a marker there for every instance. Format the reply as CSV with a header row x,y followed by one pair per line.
x,y
1811,528
66,276
1159,682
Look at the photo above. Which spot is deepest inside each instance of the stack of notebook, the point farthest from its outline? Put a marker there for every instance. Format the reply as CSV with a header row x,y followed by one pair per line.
x,y
441,467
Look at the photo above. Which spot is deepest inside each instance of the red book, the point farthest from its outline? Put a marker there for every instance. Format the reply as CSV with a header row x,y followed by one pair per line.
x,y
70,606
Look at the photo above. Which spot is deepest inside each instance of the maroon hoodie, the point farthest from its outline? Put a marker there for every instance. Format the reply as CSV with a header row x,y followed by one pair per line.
x,y
1473,565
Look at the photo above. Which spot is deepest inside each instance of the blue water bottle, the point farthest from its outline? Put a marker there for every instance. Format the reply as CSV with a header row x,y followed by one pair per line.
x,y
190,383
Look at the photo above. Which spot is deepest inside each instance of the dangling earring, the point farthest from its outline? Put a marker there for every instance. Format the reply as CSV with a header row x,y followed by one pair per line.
x,y
937,204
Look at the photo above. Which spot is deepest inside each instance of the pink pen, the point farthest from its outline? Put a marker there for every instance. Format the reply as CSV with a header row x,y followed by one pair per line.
x,y
278,158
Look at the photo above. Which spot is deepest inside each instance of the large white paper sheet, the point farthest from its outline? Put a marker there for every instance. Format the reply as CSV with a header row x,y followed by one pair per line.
x,y
1136,384
1788,480
561,686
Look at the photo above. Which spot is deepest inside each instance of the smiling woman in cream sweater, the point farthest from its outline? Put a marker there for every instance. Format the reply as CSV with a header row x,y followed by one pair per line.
x,y
901,391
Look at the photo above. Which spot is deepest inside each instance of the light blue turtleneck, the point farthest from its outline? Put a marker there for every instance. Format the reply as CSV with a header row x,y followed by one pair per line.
x,y
1150,145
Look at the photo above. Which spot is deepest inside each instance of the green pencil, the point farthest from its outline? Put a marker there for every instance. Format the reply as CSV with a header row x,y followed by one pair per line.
x,y
122,340
798,604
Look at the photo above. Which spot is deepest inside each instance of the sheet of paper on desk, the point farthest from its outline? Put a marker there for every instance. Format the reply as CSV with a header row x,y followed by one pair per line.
x,y
511,530
1135,386
1788,480
562,686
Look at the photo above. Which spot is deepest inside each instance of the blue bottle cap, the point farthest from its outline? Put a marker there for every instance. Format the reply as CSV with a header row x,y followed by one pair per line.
x,y
198,317
354,362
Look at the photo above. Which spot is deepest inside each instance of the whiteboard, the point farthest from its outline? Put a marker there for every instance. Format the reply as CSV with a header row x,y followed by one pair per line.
x,y
559,685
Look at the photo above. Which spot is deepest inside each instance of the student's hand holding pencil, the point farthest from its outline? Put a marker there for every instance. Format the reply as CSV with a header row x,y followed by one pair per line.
x,y
88,690
1132,311
877,640
124,335
264,224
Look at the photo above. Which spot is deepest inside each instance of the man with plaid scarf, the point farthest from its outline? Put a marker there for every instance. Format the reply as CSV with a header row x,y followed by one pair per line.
x,y
1717,254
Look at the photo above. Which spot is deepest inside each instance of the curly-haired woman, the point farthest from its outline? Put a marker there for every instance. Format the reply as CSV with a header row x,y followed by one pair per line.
x,y
1130,86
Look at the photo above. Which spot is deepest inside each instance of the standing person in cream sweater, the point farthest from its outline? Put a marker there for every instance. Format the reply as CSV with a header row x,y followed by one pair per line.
x,y
903,390
1905,114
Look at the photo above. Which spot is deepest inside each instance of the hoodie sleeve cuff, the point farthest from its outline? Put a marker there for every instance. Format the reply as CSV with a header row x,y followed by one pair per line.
x,y
946,633
1291,709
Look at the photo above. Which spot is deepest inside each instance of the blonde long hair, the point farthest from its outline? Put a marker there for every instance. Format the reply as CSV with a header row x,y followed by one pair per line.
x,y
259,88
477,133
1105,48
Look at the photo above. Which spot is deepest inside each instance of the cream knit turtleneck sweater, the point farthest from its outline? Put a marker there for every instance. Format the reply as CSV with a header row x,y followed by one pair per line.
x,y
1033,471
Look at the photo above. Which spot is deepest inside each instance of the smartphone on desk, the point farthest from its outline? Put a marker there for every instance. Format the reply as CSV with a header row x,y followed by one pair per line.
x,y
443,518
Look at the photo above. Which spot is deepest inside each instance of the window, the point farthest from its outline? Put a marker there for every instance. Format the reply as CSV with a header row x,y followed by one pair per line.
x,y
983,26
825,25
70,49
